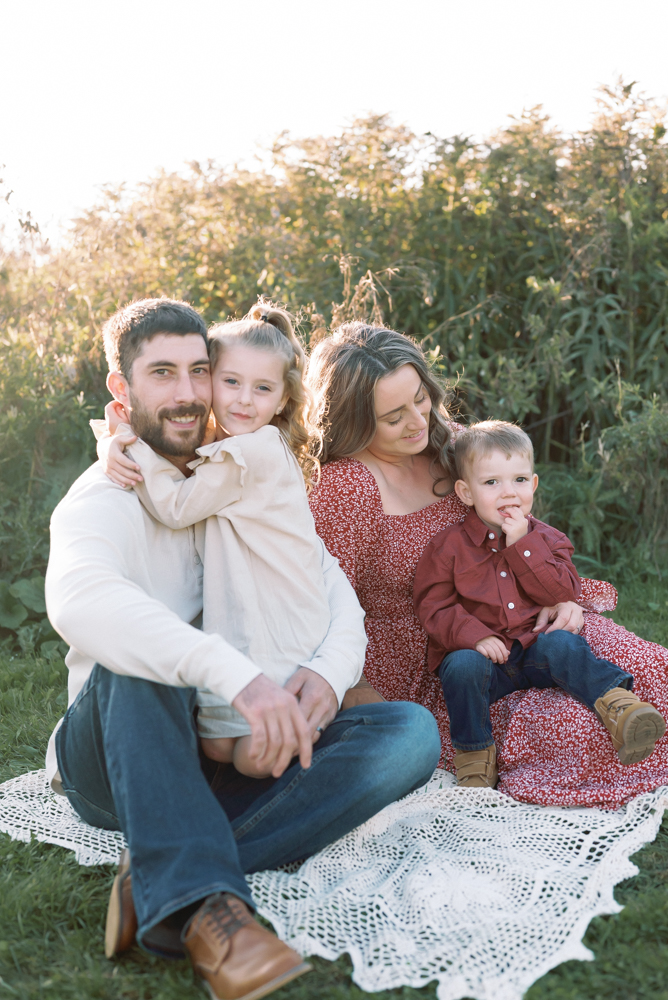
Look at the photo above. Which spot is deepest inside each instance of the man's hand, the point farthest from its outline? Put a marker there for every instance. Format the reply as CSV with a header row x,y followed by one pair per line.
x,y
279,729
567,616
316,697
515,525
493,649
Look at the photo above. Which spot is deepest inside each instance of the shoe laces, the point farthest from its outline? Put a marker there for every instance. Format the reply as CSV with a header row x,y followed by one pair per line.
x,y
226,914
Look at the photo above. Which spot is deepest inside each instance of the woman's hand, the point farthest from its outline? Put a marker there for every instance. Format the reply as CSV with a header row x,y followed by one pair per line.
x,y
567,616
118,466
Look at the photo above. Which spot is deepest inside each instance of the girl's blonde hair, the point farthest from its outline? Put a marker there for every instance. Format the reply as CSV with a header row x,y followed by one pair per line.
x,y
270,329
343,372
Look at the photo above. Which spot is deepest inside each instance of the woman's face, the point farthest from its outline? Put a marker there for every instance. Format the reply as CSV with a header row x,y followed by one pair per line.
x,y
402,410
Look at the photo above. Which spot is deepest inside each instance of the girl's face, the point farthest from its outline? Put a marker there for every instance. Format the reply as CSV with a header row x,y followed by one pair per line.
x,y
248,388
402,407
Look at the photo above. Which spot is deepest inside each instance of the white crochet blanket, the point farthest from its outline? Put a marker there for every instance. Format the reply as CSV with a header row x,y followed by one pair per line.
x,y
464,886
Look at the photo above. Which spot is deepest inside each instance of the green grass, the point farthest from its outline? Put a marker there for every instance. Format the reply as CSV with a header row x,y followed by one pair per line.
x,y
52,910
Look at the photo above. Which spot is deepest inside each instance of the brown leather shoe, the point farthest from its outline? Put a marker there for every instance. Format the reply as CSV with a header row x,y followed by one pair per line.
x,y
476,768
634,725
237,958
121,916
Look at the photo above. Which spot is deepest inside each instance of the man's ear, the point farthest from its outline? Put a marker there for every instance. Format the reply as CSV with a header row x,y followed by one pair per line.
x,y
463,492
117,384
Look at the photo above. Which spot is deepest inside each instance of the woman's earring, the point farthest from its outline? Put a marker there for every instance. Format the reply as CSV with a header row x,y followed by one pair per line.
x,y
279,410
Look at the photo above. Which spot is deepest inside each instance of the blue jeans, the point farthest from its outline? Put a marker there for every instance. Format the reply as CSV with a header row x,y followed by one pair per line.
x,y
471,682
129,759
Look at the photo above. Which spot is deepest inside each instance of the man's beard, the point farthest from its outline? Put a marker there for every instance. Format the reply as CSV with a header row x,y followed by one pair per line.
x,y
150,427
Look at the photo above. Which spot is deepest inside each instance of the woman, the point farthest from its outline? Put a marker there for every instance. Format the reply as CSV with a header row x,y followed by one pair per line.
x,y
385,491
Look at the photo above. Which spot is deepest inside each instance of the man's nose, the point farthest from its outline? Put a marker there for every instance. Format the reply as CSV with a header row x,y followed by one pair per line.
x,y
184,390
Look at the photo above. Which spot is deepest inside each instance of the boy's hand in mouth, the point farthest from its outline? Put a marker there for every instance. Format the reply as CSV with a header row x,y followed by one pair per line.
x,y
515,525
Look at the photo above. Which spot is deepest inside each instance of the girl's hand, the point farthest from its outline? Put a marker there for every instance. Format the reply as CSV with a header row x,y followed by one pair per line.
x,y
118,466
214,431
515,525
115,414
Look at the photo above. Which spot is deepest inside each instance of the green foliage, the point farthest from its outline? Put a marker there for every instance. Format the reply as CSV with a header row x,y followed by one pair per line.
x,y
52,910
532,266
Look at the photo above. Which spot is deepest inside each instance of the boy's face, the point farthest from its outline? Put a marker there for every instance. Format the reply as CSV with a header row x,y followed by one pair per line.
x,y
248,388
496,482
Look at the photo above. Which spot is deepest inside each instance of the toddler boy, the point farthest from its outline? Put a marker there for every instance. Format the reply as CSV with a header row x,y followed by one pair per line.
x,y
478,589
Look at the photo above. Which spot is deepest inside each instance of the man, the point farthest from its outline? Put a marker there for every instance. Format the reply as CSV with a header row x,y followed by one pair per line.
x,y
121,589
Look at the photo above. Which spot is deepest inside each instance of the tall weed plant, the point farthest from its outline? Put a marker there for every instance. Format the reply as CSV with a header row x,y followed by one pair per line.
x,y
532,266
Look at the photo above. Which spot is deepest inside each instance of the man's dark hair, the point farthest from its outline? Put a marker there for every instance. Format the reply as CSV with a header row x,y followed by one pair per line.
x,y
125,332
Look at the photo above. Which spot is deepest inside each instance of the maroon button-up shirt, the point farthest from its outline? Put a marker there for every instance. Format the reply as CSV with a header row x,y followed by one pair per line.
x,y
469,584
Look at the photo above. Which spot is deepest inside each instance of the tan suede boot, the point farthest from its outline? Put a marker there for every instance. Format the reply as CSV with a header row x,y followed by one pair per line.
x,y
634,725
476,768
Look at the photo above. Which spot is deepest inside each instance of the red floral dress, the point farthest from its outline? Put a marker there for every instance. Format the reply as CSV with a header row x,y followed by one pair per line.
x,y
552,749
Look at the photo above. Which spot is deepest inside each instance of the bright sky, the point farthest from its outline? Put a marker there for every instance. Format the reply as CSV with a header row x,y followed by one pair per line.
x,y
97,92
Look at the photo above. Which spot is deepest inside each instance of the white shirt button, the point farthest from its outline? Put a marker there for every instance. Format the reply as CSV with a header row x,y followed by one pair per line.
x,y
503,573
511,605
526,552
495,550
492,535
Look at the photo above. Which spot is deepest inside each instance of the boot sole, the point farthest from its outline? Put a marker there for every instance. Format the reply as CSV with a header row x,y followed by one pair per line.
x,y
114,926
642,730
273,984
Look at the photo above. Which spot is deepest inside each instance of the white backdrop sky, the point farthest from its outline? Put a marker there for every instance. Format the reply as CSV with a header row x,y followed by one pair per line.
x,y
96,92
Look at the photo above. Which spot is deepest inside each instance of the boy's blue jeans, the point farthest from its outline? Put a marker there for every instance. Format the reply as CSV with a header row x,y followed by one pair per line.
x,y
128,755
471,682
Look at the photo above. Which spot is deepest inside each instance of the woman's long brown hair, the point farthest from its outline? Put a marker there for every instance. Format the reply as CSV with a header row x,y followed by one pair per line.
x,y
342,373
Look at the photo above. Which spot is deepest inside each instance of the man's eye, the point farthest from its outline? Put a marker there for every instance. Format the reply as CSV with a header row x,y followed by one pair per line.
x,y
161,371
200,371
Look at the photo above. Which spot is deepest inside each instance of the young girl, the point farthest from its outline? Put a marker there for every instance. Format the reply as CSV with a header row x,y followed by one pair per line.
x,y
263,584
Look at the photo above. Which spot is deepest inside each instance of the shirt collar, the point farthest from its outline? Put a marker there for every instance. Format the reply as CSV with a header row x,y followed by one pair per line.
x,y
476,529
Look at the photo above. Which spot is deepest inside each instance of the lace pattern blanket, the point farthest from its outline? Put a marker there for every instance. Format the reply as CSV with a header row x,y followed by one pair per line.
x,y
463,886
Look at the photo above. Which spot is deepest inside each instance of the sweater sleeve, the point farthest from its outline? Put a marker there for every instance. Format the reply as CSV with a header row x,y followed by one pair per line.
x,y
94,603
220,473
437,605
340,656
543,567
179,502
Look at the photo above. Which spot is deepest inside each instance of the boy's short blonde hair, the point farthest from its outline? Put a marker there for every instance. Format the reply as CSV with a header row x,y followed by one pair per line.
x,y
487,436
